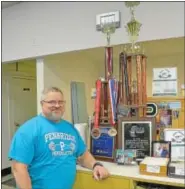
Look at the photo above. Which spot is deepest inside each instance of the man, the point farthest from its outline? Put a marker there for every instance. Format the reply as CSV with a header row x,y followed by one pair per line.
x,y
45,149
164,152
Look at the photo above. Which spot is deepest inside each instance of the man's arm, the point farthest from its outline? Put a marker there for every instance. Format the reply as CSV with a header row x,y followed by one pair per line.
x,y
87,160
21,175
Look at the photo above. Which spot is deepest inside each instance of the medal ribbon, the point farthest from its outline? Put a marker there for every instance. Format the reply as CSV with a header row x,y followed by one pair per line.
x,y
97,104
109,60
113,93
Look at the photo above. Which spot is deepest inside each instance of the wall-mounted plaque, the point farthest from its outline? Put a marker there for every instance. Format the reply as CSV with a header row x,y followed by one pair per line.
x,y
177,138
137,135
104,147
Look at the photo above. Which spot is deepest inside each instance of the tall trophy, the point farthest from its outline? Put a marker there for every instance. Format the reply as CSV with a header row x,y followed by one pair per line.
x,y
133,68
104,133
104,98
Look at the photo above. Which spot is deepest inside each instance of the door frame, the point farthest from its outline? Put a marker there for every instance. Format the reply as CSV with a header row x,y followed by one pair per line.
x,y
9,79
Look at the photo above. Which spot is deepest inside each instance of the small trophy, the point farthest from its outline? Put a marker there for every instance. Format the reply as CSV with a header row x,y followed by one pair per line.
x,y
133,27
108,29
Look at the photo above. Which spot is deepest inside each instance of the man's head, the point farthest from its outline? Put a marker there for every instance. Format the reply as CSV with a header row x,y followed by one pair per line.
x,y
164,147
53,103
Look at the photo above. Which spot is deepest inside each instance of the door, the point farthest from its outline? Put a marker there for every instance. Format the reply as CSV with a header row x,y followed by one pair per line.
x,y
24,100
5,125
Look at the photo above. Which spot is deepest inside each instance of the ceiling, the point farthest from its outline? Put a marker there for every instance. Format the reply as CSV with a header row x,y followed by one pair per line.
x,y
6,4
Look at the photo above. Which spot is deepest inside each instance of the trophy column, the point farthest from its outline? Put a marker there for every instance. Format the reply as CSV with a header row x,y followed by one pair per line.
x,y
133,82
104,132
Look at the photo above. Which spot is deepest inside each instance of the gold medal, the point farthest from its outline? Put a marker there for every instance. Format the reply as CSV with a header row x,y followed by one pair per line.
x,y
112,132
95,133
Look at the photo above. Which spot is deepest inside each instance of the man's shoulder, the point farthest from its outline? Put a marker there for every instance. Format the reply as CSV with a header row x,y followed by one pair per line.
x,y
67,123
31,121
29,125
71,126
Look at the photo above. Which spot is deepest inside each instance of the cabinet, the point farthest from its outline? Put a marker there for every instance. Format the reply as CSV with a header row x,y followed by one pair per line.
x,y
84,180
176,123
121,177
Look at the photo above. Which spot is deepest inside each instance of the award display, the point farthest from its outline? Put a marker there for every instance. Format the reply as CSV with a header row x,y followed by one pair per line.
x,y
137,135
103,147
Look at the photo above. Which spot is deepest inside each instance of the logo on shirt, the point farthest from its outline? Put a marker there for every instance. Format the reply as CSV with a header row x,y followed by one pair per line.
x,y
60,144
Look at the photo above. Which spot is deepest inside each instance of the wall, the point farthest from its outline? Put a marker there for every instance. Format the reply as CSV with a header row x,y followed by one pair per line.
x,y
26,67
8,70
62,69
32,29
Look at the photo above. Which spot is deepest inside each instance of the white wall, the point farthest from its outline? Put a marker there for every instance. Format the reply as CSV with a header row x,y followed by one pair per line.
x,y
33,29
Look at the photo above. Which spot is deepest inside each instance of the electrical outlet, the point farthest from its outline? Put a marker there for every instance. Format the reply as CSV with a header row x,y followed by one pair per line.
x,y
107,18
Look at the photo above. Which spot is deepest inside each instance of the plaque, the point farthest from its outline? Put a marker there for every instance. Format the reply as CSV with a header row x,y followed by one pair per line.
x,y
137,135
103,147
177,138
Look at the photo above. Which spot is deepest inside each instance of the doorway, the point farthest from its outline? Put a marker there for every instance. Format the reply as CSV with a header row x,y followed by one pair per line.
x,y
24,100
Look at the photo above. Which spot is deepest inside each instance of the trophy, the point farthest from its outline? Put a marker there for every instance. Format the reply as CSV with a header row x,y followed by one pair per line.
x,y
104,95
133,26
133,61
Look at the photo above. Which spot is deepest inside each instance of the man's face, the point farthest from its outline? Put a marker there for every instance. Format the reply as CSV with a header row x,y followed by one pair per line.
x,y
53,106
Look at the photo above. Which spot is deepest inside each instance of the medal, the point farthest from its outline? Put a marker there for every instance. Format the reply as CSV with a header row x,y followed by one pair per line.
x,y
112,132
113,86
95,133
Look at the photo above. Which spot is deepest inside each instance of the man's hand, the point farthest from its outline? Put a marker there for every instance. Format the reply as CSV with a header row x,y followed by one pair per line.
x,y
88,161
100,173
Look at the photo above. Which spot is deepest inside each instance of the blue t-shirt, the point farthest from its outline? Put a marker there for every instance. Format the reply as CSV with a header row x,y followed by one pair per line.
x,y
50,150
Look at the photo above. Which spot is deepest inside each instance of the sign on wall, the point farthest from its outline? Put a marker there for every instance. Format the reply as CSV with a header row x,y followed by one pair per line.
x,y
164,82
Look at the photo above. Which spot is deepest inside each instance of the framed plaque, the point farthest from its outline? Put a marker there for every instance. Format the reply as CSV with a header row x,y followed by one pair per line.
x,y
104,147
177,138
136,135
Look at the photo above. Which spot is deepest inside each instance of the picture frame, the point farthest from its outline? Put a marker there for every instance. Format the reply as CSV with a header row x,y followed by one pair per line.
x,y
161,149
130,157
145,147
119,156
